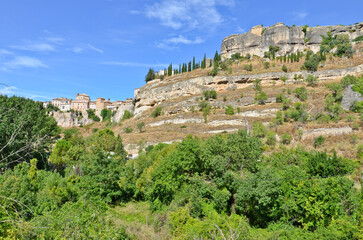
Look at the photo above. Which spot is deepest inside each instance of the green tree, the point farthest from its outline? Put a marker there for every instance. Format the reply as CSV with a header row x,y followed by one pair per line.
x,y
140,126
127,115
301,93
26,131
229,110
150,75
258,129
157,112
311,80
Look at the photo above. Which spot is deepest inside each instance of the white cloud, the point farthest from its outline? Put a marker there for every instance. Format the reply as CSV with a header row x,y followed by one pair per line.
x,y
5,52
187,14
94,48
299,15
85,48
240,30
35,47
23,61
171,43
77,50
6,90
135,64
56,40
183,40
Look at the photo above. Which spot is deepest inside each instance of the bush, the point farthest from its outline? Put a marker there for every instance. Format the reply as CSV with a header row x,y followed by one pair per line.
x,y
360,151
261,97
284,68
318,141
248,67
258,130
140,126
357,107
280,97
157,112
210,94
236,56
271,138
224,98
312,63
358,39
266,65
126,115
284,79
311,80
128,130
229,110
286,138
350,118
301,93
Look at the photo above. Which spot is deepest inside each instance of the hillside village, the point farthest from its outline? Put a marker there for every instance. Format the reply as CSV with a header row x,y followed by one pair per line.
x,y
264,141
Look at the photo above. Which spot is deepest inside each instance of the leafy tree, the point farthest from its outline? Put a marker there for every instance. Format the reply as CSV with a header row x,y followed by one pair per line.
x,y
26,131
59,151
106,114
312,63
271,138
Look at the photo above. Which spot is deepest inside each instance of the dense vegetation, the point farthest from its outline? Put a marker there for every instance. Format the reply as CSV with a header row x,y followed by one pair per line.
x,y
223,187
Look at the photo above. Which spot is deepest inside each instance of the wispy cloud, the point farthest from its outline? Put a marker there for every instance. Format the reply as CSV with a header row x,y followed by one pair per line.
x,y
82,49
94,48
5,52
187,14
171,43
240,30
55,40
22,62
135,64
299,15
6,90
35,47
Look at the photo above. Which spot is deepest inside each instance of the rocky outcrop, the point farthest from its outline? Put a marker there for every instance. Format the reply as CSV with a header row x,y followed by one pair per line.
x,y
289,39
71,119
349,97
121,111
326,132
155,93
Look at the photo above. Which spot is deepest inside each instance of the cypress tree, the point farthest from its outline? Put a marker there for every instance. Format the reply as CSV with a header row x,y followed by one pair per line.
x,y
180,71
194,63
217,57
189,66
284,58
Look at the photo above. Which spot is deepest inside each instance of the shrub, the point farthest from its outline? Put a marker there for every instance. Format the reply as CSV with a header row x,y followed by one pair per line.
x,y
157,112
311,64
284,79
241,95
210,94
318,141
238,110
224,98
355,126
350,118
311,80
214,71
280,97
284,68
266,65
354,139
358,39
271,138
236,56
258,129
128,130
360,151
261,97
301,93
140,126
286,138
127,115
248,67
357,107
229,110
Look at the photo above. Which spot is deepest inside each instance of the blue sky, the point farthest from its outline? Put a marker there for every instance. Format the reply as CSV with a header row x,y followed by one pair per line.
x,y
105,47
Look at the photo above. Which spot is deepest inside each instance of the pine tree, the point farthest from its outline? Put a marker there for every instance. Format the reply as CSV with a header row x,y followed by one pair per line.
x,y
217,57
150,75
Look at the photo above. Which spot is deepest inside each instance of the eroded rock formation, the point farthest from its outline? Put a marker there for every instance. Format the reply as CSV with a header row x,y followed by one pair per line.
x,y
289,39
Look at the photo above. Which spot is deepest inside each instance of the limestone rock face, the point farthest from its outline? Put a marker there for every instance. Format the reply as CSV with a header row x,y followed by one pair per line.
x,y
349,97
153,94
290,39
70,119
121,110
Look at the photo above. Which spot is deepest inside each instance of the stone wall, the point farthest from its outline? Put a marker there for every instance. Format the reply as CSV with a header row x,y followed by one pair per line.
x,y
121,110
349,97
290,39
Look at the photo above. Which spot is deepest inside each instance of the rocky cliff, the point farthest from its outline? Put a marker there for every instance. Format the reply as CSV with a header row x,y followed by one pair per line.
x,y
70,119
289,39
156,92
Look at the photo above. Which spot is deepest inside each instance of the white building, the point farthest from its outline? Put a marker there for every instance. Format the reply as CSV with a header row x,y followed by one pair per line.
x,y
64,104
